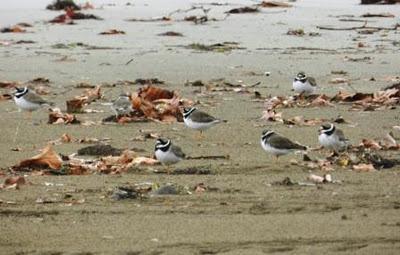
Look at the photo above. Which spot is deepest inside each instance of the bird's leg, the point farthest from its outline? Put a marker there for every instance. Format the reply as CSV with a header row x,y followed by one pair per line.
x,y
199,135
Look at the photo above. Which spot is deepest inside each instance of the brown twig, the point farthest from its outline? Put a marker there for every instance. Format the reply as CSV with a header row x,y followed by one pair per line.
x,y
359,27
210,157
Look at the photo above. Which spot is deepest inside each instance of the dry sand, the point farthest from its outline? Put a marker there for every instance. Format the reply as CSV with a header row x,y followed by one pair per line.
x,y
245,214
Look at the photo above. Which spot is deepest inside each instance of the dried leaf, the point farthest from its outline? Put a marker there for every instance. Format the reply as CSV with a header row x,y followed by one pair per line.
x,y
47,159
338,80
371,144
57,117
14,182
273,4
364,167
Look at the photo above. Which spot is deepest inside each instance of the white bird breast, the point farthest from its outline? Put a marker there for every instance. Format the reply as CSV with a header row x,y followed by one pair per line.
x,y
272,150
301,87
25,105
199,125
330,142
167,157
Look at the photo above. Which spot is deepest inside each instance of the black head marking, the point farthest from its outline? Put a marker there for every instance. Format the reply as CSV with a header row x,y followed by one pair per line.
x,y
301,76
188,111
327,128
20,92
162,144
266,134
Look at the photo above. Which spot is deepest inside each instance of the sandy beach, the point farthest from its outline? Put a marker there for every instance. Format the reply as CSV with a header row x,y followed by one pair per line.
x,y
242,210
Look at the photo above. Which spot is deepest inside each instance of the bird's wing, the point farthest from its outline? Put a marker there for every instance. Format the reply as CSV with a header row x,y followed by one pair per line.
x,y
199,116
35,98
178,151
312,81
281,142
341,136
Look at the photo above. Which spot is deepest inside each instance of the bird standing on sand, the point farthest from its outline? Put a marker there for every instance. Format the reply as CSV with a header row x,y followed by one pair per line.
x,y
167,153
198,120
332,138
122,106
278,145
304,85
28,100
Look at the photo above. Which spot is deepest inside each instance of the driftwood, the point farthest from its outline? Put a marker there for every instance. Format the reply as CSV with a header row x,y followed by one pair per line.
x,y
395,27
210,157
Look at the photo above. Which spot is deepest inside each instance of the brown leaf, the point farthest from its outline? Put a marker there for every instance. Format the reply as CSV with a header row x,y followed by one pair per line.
x,y
371,144
75,105
66,138
16,181
47,159
57,117
273,4
364,167
321,100
13,29
272,115
8,84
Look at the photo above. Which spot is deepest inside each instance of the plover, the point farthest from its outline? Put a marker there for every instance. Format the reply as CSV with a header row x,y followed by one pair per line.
x,y
167,153
198,120
122,106
278,145
332,138
27,100
304,85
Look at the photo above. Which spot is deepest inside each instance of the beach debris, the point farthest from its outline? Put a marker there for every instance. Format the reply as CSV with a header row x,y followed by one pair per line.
x,y
58,117
112,32
13,29
300,32
301,121
121,193
76,104
362,28
380,1
216,47
5,96
200,188
8,84
13,182
338,80
274,4
245,9
326,178
285,182
377,15
71,15
154,103
60,5
272,115
171,33
48,158
65,138
148,81
362,167
383,99
99,150
167,189
195,170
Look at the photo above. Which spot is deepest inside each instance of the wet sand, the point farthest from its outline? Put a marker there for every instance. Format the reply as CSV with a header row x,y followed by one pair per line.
x,y
244,213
